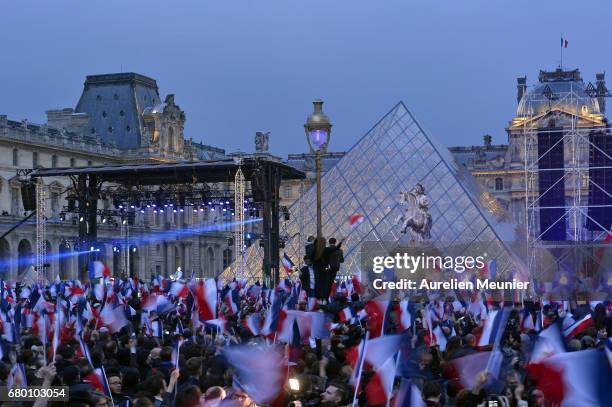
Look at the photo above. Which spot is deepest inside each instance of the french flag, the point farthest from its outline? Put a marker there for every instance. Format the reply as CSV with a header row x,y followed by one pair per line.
x,y
287,263
376,311
405,318
346,314
261,371
578,327
356,282
271,323
205,294
355,220
408,395
549,342
97,378
493,327
97,269
253,324
574,378
467,368
380,387
231,299
113,318
379,355
179,290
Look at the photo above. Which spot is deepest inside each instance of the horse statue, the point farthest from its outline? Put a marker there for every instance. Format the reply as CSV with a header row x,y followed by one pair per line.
x,y
416,218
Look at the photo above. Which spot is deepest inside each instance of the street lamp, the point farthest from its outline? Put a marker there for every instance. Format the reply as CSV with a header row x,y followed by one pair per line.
x,y
318,130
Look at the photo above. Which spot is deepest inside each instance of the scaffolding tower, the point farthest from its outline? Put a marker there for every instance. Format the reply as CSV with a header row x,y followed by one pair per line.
x,y
239,218
567,114
41,246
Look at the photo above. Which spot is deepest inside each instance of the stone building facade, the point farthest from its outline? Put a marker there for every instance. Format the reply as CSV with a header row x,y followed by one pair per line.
x,y
120,118
560,99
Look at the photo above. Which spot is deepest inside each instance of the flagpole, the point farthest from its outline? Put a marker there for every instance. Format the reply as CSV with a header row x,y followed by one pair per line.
x,y
397,361
360,366
561,64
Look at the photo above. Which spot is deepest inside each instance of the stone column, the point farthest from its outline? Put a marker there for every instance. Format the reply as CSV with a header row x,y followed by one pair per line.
x,y
187,261
169,259
143,255
218,259
13,256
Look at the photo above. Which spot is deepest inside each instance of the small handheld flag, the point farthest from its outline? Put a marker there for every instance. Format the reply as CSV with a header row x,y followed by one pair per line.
x,y
97,269
287,263
355,220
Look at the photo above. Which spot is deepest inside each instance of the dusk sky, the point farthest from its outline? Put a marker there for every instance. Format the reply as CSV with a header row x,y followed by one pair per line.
x,y
237,66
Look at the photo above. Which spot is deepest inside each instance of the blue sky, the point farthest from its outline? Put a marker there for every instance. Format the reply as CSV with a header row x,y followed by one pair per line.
x,y
238,66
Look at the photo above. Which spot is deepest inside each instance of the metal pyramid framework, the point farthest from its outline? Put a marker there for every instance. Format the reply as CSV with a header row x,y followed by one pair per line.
x,y
393,157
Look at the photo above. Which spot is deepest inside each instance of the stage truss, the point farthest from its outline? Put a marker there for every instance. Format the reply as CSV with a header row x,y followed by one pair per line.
x,y
577,247
239,218
41,247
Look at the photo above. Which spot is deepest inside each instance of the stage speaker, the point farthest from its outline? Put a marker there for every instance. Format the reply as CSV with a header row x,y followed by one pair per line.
x,y
28,195
131,217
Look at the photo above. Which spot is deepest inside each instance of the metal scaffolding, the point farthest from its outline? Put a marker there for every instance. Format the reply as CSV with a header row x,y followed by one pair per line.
x,y
564,112
41,246
239,218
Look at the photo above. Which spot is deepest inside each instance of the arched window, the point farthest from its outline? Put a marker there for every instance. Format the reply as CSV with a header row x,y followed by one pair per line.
x,y
499,184
171,144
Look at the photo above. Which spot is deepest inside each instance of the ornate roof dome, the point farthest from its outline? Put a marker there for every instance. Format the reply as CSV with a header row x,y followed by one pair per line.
x,y
558,90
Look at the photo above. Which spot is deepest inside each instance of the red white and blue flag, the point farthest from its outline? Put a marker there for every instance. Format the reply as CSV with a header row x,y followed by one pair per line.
x,y
287,263
493,327
97,269
578,327
355,220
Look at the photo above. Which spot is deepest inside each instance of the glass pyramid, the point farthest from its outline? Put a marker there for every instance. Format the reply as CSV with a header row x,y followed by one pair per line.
x,y
393,157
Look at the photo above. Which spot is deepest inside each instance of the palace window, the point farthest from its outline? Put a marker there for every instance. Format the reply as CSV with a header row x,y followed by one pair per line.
x,y
499,184
53,161
15,157
35,159
72,162
15,201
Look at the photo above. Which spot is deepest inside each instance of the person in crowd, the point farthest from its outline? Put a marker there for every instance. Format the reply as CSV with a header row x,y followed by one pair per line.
x,y
334,395
334,257
307,277
113,376
186,363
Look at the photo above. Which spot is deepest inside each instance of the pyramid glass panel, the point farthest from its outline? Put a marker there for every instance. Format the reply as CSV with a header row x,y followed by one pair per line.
x,y
393,157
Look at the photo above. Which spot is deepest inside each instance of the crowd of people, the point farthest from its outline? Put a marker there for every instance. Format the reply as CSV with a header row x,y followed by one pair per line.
x,y
313,340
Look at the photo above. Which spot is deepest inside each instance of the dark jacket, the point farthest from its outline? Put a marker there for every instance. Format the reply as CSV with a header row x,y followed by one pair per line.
x,y
305,280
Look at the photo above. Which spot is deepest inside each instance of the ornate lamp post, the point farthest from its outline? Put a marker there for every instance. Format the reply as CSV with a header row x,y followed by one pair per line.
x,y
318,130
